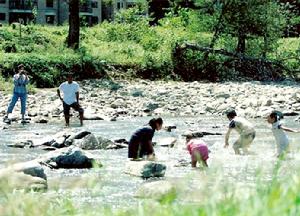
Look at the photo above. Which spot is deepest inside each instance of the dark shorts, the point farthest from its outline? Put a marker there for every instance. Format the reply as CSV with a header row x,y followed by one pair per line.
x,y
75,106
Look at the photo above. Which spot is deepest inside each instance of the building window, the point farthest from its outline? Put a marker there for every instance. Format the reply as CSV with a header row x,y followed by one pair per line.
x,y
94,4
50,19
49,3
2,1
119,5
2,16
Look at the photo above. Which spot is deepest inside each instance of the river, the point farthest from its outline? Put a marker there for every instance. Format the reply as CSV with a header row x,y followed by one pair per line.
x,y
110,186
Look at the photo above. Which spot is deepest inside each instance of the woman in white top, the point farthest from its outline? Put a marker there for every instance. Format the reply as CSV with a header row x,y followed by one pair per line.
x,y
282,141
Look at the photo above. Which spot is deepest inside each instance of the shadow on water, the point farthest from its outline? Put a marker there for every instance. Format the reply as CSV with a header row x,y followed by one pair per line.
x,y
110,186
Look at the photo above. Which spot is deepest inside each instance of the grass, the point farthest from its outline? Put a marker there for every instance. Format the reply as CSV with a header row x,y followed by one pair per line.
x,y
280,196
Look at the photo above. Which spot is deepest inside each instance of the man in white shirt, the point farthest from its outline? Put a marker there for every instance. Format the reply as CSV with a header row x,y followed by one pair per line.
x,y
70,90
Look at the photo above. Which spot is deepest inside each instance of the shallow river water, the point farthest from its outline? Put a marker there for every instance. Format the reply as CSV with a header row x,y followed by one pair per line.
x,y
110,186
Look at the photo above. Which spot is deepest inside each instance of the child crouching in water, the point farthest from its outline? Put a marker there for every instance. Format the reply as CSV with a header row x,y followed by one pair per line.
x,y
282,141
198,150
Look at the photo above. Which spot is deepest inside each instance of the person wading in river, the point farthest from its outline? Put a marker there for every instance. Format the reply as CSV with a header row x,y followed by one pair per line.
x,y
20,81
244,128
70,98
140,143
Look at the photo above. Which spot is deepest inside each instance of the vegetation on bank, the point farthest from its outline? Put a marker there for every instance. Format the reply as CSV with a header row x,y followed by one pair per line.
x,y
130,46
279,196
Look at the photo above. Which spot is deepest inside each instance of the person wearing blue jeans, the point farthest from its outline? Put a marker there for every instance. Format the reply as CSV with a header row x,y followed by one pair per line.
x,y
20,81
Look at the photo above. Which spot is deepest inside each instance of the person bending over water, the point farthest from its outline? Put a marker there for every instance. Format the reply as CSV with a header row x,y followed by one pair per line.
x,y
140,143
198,151
282,141
244,128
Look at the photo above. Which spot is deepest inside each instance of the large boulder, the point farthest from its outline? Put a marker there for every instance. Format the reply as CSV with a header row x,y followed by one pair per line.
x,y
159,190
145,169
68,158
89,142
32,168
104,143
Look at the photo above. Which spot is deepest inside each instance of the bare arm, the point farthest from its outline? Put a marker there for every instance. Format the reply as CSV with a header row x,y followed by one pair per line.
x,y
227,137
289,129
58,93
77,97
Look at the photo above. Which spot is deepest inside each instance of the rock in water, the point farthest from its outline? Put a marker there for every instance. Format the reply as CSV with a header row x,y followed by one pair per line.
x,y
160,190
68,158
89,142
18,180
167,142
32,168
145,169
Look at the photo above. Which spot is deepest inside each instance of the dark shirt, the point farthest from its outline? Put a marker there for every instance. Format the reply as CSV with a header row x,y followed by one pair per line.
x,y
143,134
140,142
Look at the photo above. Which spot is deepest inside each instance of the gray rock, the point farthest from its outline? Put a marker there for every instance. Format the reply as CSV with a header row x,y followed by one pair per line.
x,y
89,142
22,144
145,169
104,143
196,134
32,168
68,158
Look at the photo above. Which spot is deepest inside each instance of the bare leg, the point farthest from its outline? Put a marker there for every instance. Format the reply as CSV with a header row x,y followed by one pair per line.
x,y
81,118
67,119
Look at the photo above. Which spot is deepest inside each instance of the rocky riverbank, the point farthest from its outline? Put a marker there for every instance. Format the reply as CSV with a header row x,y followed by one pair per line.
x,y
103,99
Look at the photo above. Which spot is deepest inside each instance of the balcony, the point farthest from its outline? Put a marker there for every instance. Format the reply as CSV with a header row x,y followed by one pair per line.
x,y
22,4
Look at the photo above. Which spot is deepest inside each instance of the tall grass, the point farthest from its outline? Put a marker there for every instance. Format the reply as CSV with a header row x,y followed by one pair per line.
x,y
280,196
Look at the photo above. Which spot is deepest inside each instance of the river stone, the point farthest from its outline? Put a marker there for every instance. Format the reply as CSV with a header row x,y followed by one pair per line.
x,y
68,158
104,143
145,169
169,128
32,168
89,142
19,180
22,144
79,135
196,134
167,142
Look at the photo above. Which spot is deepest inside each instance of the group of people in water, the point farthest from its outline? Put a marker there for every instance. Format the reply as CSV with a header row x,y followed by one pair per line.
x,y
140,143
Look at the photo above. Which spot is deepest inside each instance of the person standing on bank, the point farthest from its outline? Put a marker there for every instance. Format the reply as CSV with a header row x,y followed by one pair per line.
x,y
70,90
140,143
20,81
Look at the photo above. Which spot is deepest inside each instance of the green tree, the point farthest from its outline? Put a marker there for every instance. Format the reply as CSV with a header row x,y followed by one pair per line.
x,y
247,19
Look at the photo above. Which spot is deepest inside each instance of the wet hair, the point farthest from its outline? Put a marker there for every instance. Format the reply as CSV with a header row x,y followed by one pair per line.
x,y
231,113
154,121
277,115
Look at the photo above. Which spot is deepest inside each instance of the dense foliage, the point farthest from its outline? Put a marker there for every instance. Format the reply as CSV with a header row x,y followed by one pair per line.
x,y
130,46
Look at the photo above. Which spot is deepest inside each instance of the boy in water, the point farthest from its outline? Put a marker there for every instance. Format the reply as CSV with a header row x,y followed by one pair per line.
x,y
244,128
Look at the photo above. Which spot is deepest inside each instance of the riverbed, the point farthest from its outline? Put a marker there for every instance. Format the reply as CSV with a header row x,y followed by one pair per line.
x,y
110,186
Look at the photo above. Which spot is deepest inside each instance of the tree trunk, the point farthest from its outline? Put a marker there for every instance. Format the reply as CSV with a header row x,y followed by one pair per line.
x,y
74,24
241,46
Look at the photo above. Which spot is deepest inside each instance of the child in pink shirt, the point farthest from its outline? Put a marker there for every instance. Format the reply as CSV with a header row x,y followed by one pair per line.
x,y
198,150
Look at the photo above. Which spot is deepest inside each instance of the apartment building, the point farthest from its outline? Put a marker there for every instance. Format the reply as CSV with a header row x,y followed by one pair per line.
x,y
47,11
